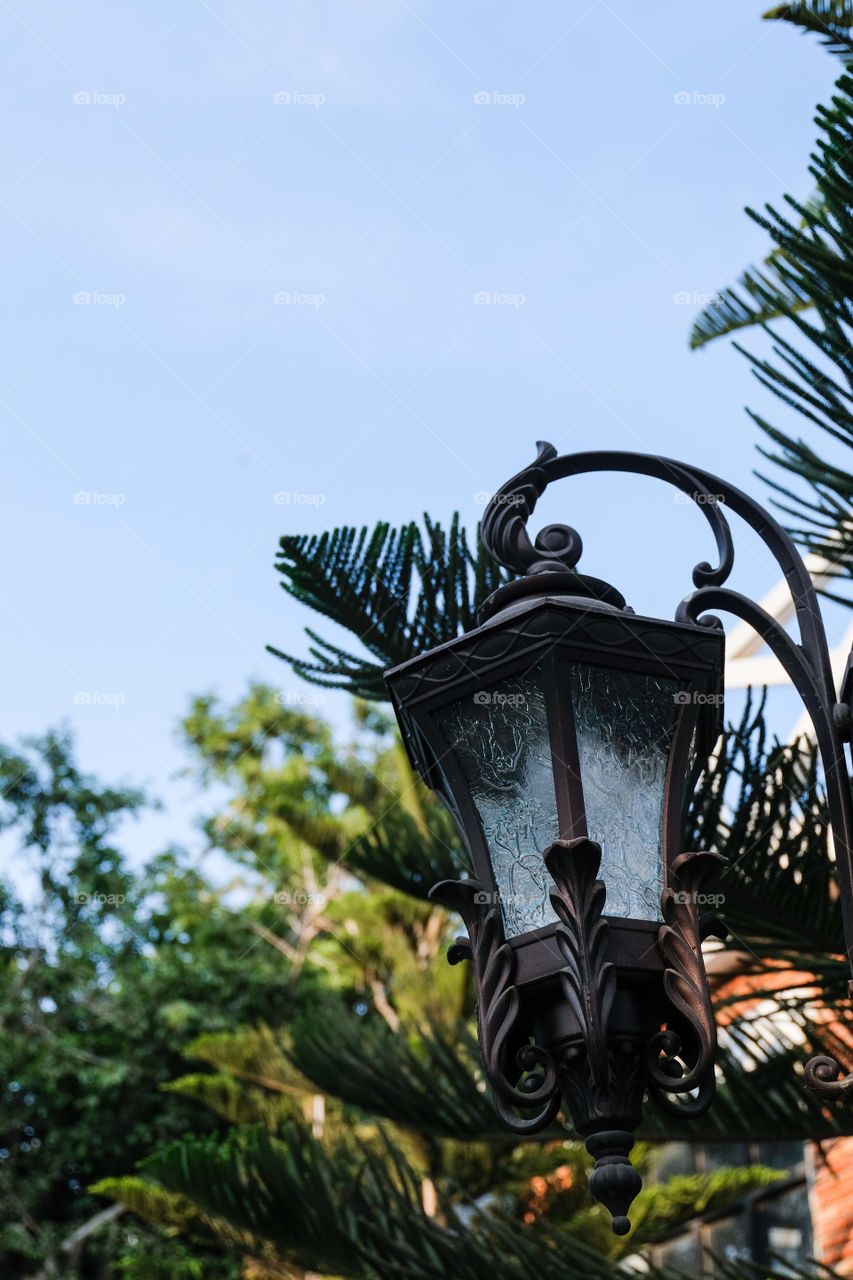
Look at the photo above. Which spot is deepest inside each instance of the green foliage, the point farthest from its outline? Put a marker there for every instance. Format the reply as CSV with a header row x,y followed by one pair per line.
x,y
662,1208
831,19
400,591
809,371
104,974
356,1211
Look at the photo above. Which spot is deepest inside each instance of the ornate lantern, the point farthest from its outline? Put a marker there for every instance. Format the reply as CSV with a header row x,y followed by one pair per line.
x,y
565,735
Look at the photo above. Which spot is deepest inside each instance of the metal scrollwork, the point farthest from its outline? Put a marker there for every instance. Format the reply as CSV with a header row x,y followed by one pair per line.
x,y
822,1075
588,979
602,1077
504,528
681,1058
505,1059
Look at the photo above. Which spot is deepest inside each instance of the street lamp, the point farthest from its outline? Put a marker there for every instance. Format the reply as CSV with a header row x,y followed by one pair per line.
x,y
565,735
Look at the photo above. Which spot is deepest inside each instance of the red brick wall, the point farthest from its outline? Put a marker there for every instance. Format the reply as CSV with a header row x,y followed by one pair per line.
x,y
829,1164
831,1202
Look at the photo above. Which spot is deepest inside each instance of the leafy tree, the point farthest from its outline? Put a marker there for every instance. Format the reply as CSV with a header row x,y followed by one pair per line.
x,y
104,974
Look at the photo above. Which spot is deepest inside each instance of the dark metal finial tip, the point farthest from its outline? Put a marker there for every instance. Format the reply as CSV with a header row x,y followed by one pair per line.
x,y
614,1182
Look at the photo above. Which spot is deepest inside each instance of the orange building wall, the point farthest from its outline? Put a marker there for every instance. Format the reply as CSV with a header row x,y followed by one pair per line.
x,y
831,1201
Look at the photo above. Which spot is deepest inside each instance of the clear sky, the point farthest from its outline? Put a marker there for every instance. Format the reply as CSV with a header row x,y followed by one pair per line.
x,y
243,245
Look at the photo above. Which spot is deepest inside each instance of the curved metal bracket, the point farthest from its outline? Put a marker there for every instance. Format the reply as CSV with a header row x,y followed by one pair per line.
x,y
498,1007
807,663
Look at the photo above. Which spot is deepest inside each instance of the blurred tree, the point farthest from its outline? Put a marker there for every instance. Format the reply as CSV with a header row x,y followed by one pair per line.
x,y
104,974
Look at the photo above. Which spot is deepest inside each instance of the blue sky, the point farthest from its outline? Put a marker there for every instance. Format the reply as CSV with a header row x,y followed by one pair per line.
x,y
242,250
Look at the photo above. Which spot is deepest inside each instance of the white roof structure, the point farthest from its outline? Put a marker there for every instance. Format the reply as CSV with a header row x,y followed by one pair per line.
x,y
747,659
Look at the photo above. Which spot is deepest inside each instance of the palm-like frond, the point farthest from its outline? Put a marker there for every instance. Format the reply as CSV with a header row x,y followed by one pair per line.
x,y
426,1082
761,295
353,1214
811,266
252,1054
402,852
831,19
399,591
761,805
234,1101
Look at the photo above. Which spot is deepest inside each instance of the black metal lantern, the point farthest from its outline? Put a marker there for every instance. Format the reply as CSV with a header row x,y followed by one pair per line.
x,y
565,735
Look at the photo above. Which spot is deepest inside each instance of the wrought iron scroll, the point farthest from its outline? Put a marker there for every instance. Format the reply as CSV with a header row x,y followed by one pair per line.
x,y
498,1006
807,662
681,1058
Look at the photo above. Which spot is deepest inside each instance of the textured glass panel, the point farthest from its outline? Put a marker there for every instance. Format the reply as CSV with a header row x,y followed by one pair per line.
x,y
500,740
624,722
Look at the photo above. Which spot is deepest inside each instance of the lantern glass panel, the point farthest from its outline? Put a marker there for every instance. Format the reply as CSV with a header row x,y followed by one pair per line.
x,y
624,723
500,739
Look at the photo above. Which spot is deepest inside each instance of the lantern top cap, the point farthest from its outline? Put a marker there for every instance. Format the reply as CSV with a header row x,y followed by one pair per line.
x,y
543,616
